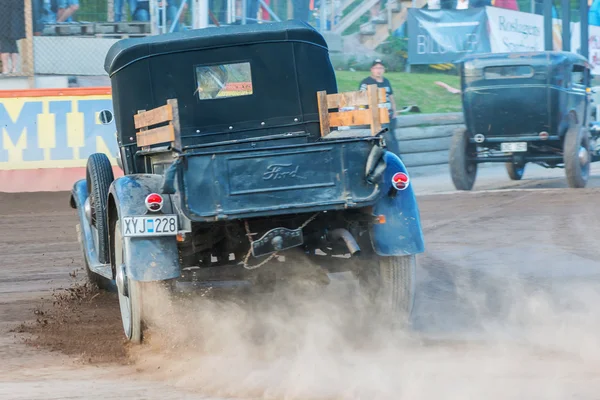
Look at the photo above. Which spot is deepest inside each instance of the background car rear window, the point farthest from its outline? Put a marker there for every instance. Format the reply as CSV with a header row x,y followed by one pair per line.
x,y
508,71
224,80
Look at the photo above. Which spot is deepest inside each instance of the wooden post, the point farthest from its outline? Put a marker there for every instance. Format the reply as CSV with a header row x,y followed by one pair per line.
x,y
176,124
323,112
373,94
144,128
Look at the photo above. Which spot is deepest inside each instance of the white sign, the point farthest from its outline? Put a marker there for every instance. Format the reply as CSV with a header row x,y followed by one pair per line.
x,y
512,31
593,44
515,31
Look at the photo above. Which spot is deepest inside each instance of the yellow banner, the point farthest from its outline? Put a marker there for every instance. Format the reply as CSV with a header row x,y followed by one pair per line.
x,y
54,131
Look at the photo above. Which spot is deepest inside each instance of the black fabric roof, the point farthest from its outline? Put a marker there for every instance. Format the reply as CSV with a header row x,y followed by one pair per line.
x,y
127,51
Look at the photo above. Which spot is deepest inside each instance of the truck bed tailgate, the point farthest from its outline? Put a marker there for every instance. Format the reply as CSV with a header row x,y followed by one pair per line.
x,y
263,182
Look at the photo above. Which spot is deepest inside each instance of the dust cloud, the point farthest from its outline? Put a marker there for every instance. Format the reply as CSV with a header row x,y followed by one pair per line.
x,y
536,340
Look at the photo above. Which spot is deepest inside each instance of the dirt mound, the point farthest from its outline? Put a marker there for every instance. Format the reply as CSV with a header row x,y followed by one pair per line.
x,y
81,321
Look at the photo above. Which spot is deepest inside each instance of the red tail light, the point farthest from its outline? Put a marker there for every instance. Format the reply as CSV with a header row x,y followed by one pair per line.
x,y
154,202
400,180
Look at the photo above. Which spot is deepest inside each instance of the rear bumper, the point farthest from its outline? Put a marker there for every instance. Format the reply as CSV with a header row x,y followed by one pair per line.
x,y
504,139
521,156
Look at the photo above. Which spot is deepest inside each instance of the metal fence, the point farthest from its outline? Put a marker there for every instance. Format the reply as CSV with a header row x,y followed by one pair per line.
x,y
70,38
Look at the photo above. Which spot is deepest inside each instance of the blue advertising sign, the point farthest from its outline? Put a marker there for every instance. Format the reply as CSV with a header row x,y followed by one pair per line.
x,y
444,36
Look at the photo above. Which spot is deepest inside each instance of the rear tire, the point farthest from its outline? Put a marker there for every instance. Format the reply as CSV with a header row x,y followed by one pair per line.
x,y
577,157
389,287
99,176
130,301
134,295
462,171
515,171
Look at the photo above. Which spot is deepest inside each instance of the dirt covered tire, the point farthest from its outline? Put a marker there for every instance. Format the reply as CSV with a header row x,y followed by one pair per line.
x,y
130,301
389,286
99,176
134,295
515,171
462,171
577,157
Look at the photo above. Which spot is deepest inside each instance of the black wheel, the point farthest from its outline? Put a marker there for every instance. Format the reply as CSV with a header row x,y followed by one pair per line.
x,y
389,287
577,156
515,171
99,176
462,171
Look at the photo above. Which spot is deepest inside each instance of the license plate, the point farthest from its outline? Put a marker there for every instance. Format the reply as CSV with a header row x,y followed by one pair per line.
x,y
160,225
513,147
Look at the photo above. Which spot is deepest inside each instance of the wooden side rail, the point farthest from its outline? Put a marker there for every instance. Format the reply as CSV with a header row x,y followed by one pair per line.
x,y
374,116
170,132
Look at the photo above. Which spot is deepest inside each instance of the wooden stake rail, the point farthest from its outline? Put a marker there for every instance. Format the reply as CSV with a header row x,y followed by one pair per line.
x,y
373,116
170,132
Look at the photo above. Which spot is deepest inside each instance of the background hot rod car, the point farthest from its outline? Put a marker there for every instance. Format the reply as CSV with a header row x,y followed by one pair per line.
x,y
521,108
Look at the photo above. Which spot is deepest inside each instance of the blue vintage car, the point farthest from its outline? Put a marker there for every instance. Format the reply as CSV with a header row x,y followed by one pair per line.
x,y
521,108
231,159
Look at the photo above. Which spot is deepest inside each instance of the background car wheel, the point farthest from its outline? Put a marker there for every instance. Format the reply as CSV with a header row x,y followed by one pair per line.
x,y
515,171
577,157
389,287
462,171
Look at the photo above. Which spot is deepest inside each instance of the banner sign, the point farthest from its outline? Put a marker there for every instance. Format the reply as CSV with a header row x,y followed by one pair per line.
x,y
444,36
54,131
593,44
515,31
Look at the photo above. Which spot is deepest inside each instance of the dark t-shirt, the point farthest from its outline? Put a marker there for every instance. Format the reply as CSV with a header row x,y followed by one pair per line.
x,y
385,84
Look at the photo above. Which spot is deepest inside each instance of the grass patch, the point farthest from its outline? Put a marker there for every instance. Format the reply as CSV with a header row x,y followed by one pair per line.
x,y
412,89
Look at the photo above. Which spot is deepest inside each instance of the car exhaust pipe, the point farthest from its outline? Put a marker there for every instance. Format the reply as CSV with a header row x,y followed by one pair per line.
x,y
347,237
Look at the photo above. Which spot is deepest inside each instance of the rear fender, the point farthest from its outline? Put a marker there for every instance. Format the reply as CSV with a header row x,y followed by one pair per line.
x,y
401,234
146,259
85,231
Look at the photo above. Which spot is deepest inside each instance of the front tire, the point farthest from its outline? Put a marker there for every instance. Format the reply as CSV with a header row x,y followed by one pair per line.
x,y
462,171
389,287
515,171
577,157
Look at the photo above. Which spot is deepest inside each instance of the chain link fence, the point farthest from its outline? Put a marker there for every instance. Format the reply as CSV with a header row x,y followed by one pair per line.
x,y
65,41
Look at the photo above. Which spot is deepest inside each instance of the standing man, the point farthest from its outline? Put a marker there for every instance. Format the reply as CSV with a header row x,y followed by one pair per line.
x,y
377,70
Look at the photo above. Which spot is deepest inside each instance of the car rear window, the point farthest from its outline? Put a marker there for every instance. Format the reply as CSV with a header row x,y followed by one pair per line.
x,y
508,72
223,80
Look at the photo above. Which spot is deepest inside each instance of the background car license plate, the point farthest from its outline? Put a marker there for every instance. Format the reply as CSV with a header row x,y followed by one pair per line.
x,y
160,225
513,147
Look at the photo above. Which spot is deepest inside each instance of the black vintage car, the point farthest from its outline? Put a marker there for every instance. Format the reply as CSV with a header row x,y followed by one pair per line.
x,y
524,108
233,167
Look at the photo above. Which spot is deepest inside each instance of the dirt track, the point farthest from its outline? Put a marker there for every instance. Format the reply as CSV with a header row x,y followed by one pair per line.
x,y
506,308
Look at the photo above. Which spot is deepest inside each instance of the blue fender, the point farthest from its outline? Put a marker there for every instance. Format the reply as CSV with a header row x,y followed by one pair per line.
x,y
401,234
146,259
85,232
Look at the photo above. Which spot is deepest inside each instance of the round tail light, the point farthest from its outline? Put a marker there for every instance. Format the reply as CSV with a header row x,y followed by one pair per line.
x,y
154,202
400,181
544,135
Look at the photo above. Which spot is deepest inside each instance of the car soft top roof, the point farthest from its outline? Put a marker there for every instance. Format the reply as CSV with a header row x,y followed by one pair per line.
x,y
128,51
539,56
